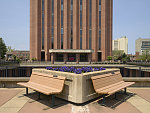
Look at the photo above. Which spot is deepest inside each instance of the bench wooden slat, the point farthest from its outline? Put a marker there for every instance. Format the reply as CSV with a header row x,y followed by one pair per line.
x,y
45,83
41,88
109,83
118,88
115,88
117,72
105,81
100,76
107,87
49,82
48,75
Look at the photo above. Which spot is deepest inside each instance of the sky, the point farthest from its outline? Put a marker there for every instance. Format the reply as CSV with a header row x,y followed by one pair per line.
x,y
131,18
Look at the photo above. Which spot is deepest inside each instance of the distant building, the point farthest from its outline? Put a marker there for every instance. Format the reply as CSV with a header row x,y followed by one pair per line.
x,y
23,55
142,44
121,44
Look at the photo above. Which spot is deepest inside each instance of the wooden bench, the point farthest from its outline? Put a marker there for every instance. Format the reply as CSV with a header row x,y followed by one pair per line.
x,y
109,84
46,84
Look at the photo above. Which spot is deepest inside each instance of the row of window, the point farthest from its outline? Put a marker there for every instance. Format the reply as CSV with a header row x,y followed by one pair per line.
x,y
145,43
22,55
71,38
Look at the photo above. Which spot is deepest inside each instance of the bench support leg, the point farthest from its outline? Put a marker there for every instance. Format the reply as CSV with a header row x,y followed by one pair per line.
x,y
103,99
26,91
39,96
53,100
116,95
125,90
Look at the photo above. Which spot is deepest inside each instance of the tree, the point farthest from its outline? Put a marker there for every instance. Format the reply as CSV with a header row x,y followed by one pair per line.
x,y
9,49
34,59
3,49
14,57
117,54
145,55
124,55
109,58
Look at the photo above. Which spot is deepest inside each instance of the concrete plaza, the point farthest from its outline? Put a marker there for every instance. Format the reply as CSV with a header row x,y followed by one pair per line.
x,y
13,100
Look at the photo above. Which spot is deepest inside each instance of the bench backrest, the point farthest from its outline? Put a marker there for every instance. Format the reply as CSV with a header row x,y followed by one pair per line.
x,y
48,80
101,81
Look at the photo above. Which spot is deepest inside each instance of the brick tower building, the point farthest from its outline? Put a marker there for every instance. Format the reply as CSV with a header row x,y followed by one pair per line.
x,y
71,30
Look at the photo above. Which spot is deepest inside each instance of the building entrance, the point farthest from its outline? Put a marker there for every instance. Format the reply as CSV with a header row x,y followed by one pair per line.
x,y
42,56
71,57
59,57
99,56
83,57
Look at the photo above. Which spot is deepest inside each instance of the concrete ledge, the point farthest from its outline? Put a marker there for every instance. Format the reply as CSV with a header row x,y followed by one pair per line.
x,y
70,51
136,79
14,79
139,81
11,82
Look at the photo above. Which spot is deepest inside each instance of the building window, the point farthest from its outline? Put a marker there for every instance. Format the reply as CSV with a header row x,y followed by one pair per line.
x,y
100,5
80,14
80,24
90,13
83,57
80,38
99,39
59,57
62,24
71,39
90,24
52,38
145,43
99,24
42,24
90,39
115,45
62,38
71,57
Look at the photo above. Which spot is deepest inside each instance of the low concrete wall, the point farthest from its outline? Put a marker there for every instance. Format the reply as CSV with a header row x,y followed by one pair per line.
x,y
139,81
11,82
78,88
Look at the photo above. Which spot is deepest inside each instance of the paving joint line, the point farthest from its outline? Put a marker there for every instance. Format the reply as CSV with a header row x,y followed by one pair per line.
x,y
139,103
15,104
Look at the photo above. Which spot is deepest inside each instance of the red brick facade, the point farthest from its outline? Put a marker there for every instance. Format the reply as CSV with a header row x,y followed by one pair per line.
x,y
36,28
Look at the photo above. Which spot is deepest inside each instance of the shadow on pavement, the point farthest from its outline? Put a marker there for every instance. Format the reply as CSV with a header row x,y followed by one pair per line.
x,y
46,100
112,103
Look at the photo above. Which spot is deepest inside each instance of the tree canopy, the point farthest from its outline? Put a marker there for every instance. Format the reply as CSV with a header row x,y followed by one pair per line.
x,y
3,49
9,49
145,55
117,54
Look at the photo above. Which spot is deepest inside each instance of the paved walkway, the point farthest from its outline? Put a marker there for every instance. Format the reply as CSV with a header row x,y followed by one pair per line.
x,y
134,103
14,104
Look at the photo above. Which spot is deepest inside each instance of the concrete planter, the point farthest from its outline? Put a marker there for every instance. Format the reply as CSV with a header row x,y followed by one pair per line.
x,y
78,88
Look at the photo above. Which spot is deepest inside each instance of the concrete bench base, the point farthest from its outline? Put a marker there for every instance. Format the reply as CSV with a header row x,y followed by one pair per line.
x,y
78,88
